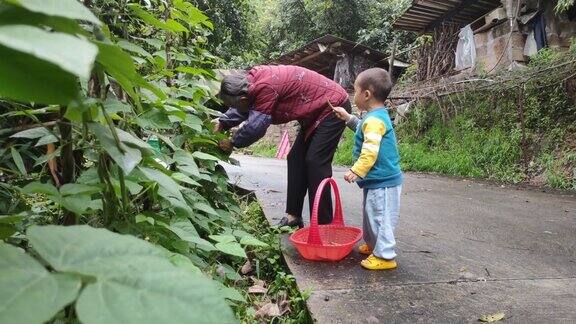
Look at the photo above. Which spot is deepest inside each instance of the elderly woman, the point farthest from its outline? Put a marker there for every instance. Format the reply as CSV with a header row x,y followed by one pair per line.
x,y
268,95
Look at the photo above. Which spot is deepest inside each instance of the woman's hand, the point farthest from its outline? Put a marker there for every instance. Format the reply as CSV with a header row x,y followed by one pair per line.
x,y
226,145
217,126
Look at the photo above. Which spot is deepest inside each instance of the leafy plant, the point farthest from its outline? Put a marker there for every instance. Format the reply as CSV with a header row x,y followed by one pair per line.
x,y
84,92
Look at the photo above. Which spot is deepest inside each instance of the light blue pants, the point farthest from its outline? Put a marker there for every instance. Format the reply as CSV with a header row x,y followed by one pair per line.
x,y
381,210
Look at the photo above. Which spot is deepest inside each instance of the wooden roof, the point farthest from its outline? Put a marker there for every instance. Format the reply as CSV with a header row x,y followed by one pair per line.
x,y
321,55
425,15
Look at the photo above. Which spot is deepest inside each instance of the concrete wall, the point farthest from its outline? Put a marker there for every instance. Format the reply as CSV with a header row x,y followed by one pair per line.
x,y
495,51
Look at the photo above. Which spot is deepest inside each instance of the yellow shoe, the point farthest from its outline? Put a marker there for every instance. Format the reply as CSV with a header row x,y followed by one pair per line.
x,y
364,249
375,263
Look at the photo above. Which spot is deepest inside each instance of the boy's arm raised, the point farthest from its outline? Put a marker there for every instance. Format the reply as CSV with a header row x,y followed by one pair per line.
x,y
373,130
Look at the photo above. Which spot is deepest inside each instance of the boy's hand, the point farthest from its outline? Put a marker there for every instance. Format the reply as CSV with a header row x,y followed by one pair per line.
x,y
350,176
226,145
340,112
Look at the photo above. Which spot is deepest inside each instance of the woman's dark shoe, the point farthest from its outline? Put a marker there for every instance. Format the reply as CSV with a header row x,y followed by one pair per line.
x,y
286,222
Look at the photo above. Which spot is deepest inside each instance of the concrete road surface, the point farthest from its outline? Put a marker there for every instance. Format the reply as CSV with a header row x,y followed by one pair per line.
x,y
466,249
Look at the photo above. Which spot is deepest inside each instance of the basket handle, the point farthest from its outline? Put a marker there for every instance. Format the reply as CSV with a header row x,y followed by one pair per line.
x,y
338,220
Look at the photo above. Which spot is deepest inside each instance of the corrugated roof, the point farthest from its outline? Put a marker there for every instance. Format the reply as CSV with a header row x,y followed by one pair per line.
x,y
321,55
424,15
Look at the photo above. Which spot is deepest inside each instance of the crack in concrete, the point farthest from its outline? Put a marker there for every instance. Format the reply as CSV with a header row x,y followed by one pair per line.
x,y
450,282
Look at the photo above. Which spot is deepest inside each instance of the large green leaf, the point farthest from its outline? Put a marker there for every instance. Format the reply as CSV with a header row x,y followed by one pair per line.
x,y
186,163
135,282
31,294
120,66
231,248
41,188
71,54
205,156
127,159
32,133
169,25
18,160
62,8
26,78
131,47
164,181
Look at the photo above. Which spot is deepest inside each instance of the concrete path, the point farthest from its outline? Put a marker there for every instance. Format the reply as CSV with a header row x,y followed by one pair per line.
x,y
466,249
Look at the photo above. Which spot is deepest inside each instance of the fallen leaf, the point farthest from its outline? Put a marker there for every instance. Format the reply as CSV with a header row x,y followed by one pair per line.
x,y
257,290
259,287
268,310
372,320
221,271
247,268
492,318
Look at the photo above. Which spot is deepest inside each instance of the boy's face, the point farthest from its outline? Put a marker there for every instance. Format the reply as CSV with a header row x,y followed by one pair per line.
x,y
361,97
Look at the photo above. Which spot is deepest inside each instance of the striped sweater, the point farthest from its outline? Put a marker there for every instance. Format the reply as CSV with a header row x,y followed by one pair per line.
x,y
375,151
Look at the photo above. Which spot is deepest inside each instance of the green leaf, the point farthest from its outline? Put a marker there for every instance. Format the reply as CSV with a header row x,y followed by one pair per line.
x,y
71,54
78,189
31,293
120,66
32,133
140,218
18,160
230,293
26,78
147,17
46,140
223,238
251,240
131,140
154,119
185,179
205,156
192,70
131,47
186,163
40,188
231,248
175,26
163,180
71,9
77,204
193,122
205,208
128,159
129,274
185,263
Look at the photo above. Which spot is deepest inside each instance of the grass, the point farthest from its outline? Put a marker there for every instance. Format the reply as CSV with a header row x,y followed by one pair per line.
x,y
269,266
264,148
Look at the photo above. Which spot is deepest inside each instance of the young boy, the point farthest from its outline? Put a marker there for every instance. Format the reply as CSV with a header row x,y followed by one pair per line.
x,y
377,167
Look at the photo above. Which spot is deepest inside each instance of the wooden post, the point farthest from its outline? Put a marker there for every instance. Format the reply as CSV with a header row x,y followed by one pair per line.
x,y
393,59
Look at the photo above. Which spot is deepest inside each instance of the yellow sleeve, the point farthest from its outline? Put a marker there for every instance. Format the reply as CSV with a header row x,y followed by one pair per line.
x,y
373,130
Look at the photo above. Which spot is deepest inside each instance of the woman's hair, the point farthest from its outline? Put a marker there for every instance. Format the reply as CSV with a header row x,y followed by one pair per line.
x,y
234,85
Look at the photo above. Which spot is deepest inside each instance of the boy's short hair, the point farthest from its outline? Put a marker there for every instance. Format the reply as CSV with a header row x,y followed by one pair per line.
x,y
376,80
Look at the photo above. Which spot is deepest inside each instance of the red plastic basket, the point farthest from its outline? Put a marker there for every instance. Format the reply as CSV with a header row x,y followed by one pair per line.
x,y
326,242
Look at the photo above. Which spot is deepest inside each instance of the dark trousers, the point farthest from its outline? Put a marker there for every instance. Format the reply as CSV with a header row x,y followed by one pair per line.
x,y
310,162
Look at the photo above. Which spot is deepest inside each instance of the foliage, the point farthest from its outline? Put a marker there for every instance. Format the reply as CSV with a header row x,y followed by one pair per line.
x,y
285,25
264,148
478,132
564,5
84,93
343,155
